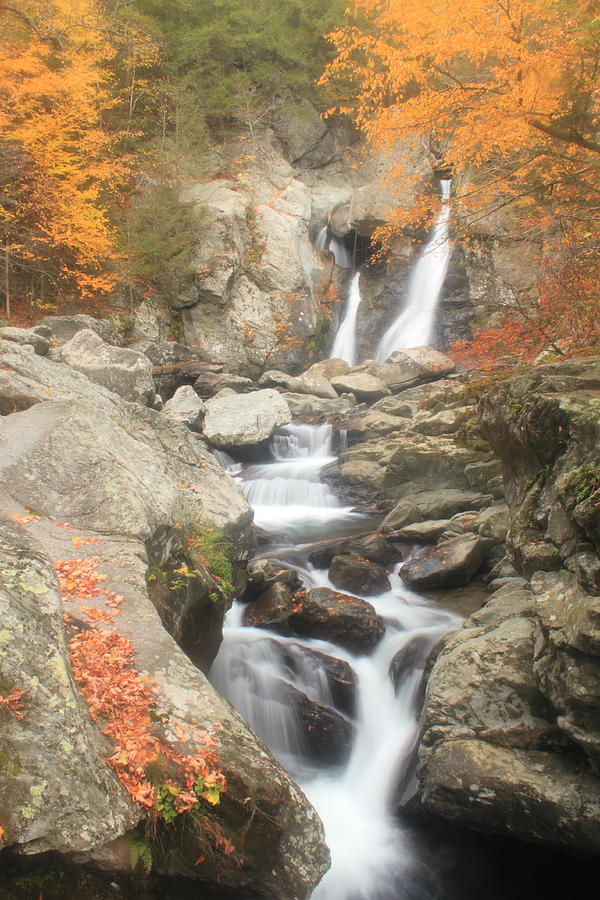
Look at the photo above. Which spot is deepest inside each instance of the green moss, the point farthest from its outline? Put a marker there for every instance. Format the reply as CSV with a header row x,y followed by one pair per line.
x,y
583,481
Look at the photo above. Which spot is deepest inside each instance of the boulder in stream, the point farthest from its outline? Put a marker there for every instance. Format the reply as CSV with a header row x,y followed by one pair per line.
x,y
235,420
450,563
409,367
364,386
358,575
348,621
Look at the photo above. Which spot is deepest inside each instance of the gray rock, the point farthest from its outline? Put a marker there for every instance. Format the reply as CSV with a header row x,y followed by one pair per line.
x,y
271,609
406,368
304,405
154,485
358,576
363,386
28,337
185,407
263,574
65,327
328,368
125,372
427,505
348,621
428,532
243,421
450,563
209,384
315,385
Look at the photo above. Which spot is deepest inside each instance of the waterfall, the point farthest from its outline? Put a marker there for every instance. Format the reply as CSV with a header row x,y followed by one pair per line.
x,y
412,328
344,345
327,241
371,850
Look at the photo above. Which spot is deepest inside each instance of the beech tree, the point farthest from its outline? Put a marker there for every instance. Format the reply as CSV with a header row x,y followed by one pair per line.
x,y
504,93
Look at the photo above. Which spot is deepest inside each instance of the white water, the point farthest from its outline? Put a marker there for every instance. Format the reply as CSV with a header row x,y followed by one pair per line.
x,y
412,328
327,241
371,852
344,345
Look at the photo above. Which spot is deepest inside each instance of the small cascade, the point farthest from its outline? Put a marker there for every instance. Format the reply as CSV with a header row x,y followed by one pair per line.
x,y
414,325
328,241
287,494
344,345
259,670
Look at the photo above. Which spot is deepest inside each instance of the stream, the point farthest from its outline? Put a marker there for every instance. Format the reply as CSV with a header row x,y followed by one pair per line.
x,y
369,848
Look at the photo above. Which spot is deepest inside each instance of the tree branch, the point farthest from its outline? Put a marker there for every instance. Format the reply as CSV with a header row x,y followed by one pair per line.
x,y
47,38
566,135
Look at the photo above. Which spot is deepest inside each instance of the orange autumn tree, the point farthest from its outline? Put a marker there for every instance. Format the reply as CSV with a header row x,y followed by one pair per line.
x,y
504,93
55,89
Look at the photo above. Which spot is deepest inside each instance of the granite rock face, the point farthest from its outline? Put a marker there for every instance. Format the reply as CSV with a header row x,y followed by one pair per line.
x,y
85,475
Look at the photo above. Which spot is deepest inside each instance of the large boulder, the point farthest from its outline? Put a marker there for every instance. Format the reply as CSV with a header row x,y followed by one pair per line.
x,y
410,367
27,337
157,498
65,327
349,573
185,407
312,384
364,386
508,728
123,371
244,421
451,563
426,505
348,621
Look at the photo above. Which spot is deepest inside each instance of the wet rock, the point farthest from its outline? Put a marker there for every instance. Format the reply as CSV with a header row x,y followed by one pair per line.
x,y
427,505
364,387
428,532
271,609
326,735
339,674
263,574
413,655
545,798
372,547
123,371
348,621
359,576
65,327
410,367
185,407
450,563
27,337
242,421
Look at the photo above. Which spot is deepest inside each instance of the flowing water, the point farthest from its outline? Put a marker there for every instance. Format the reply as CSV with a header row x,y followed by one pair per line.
x,y
413,326
371,852
344,345
327,241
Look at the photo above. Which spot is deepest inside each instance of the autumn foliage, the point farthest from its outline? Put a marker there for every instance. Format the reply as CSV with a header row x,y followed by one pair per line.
x,y
503,94
158,773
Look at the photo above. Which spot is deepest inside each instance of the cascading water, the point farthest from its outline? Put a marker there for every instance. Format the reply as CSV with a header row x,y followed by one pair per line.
x,y
344,345
327,241
412,328
370,851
